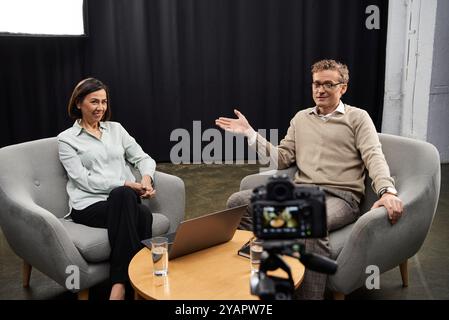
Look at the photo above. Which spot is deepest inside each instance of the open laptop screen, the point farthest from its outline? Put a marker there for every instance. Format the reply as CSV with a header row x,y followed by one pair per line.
x,y
203,232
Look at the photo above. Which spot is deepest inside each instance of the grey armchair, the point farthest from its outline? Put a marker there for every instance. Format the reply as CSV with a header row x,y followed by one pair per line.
x,y
372,240
33,202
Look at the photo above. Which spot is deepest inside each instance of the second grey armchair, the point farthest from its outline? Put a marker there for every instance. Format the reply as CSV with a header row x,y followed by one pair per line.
x,y
372,240
33,202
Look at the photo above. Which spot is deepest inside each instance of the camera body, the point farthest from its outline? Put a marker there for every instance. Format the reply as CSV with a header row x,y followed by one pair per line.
x,y
284,213
282,210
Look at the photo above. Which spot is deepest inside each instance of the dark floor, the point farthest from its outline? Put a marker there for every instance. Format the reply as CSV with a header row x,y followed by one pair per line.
x,y
207,188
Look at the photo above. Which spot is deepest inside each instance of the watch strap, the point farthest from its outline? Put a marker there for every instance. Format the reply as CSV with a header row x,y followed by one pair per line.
x,y
387,190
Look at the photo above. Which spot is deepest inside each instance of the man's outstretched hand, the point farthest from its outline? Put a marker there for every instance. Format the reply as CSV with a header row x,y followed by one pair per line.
x,y
236,126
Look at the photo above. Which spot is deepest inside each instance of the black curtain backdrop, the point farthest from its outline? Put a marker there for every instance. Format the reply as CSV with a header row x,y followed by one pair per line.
x,y
170,62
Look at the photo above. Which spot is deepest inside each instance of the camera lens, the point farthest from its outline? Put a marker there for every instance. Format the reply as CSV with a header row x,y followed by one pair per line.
x,y
280,192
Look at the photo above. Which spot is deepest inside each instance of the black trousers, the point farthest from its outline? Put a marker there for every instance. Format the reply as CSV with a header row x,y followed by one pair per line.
x,y
128,222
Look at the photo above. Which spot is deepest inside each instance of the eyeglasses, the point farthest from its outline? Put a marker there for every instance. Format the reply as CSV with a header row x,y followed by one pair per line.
x,y
327,85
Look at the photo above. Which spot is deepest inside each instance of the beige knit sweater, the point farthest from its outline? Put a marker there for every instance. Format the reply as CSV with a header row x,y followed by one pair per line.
x,y
333,153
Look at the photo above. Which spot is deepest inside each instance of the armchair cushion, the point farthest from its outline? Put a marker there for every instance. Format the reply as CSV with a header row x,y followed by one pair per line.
x,y
93,243
338,238
161,224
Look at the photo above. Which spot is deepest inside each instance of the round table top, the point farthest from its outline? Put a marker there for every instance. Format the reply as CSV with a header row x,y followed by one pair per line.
x,y
216,273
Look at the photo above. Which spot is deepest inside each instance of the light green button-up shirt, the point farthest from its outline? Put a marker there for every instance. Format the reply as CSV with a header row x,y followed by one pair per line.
x,y
96,166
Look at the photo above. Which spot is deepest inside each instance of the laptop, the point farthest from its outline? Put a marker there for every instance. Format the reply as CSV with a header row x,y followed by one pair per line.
x,y
202,232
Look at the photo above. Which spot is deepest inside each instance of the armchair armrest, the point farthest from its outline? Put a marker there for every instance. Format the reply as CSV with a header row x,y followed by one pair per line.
x,y
374,241
169,199
38,237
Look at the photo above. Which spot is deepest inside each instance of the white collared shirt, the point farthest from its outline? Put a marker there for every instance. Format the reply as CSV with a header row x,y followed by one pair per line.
x,y
340,110
96,166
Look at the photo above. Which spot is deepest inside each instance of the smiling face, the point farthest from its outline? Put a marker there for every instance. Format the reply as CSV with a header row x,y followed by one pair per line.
x,y
327,89
94,106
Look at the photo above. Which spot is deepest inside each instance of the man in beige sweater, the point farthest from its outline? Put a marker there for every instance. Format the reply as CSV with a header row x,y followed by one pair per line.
x,y
331,144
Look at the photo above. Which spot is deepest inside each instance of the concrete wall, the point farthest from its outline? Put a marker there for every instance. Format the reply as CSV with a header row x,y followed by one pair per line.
x,y
394,67
410,41
416,102
438,121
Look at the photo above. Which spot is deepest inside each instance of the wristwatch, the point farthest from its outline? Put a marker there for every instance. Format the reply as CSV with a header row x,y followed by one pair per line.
x,y
390,190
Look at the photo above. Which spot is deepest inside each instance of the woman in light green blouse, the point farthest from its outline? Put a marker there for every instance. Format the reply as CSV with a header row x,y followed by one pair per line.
x,y
102,190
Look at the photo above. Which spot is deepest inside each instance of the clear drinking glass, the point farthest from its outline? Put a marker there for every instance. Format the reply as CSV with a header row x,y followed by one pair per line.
x,y
255,254
159,253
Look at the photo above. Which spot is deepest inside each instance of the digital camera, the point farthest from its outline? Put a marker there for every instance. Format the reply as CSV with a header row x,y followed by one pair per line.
x,y
282,210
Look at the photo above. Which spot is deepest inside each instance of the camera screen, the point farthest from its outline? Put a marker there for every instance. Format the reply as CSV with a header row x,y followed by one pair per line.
x,y
280,219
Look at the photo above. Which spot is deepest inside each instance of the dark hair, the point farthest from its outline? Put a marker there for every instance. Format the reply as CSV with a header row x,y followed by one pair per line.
x,y
82,89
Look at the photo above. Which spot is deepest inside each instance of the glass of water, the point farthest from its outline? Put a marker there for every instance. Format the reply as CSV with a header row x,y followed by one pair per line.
x,y
159,253
255,254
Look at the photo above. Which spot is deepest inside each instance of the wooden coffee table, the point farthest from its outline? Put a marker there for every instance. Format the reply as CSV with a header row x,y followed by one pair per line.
x,y
216,273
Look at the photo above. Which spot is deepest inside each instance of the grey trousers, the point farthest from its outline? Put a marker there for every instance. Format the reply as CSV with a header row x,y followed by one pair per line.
x,y
342,209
